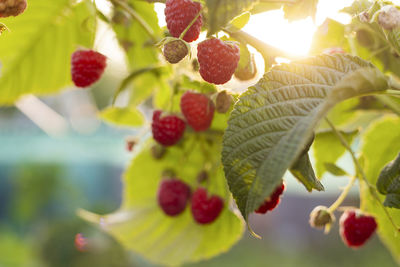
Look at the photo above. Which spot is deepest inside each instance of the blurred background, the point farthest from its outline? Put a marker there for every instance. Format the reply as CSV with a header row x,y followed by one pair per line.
x,y
56,156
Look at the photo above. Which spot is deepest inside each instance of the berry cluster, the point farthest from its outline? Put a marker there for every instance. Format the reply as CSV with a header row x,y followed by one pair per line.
x,y
272,201
217,59
174,194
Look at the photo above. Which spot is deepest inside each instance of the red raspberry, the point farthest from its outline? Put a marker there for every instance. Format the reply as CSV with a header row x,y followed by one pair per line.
x,y
12,7
173,195
167,130
206,209
198,110
81,242
218,60
87,67
271,202
179,14
356,228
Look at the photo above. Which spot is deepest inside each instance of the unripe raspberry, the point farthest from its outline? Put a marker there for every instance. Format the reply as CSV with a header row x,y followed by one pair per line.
x,y
356,228
175,51
12,7
272,201
130,143
206,209
248,71
158,151
202,176
320,216
218,60
173,196
179,14
223,102
389,17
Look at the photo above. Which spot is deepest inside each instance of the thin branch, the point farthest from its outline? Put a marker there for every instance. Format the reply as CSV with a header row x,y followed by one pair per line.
x,y
361,172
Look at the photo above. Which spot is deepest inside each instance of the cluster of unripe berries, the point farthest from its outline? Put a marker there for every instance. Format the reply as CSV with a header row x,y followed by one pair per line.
x,y
12,7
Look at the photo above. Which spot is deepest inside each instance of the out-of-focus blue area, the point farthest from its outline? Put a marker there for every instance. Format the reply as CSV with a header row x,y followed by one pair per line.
x,y
44,180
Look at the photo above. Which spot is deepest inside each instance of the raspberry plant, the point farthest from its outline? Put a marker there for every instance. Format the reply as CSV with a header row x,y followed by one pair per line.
x,y
343,98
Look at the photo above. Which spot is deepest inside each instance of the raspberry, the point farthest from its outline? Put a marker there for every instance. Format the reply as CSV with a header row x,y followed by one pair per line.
x,y
81,242
218,60
272,201
206,209
175,51
333,50
356,228
173,195
87,67
248,71
223,102
167,130
179,14
320,216
198,110
389,17
12,7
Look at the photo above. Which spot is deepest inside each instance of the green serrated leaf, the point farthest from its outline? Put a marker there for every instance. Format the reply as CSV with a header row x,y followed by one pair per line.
x,y
304,172
379,146
329,35
141,225
240,21
334,169
273,120
300,9
35,54
122,116
328,149
389,183
220,12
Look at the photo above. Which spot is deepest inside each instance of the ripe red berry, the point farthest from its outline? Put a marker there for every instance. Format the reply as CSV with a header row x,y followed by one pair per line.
x,y
272,201
81,242
198,110
218,60
356,228
206,209
167,130
12,7
87,67
179,14
173,195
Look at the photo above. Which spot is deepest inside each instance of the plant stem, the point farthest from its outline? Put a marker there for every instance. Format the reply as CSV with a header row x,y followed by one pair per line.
x,y
137,17
361,172
343,195
190,24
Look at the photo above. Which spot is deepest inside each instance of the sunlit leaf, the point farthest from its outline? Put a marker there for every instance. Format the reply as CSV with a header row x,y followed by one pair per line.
x,y
273,120
389,183
141,225
35,54
122,116
380,145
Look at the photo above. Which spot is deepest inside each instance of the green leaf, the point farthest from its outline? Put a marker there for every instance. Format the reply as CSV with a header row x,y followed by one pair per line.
x,y
330,34
389,183
334,169
35,54
141,225
379,146
240,21
300,9
303,171
273,120
122,116
328,149
220,12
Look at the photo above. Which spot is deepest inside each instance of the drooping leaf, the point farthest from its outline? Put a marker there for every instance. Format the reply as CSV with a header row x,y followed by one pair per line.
x,y
334,169
300,9
220,12
273,120
304,172
389,183
380,145
328,149
35,54
142,226
122,116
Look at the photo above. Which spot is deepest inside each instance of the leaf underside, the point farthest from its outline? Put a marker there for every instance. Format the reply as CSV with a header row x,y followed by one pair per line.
x,y
273,120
